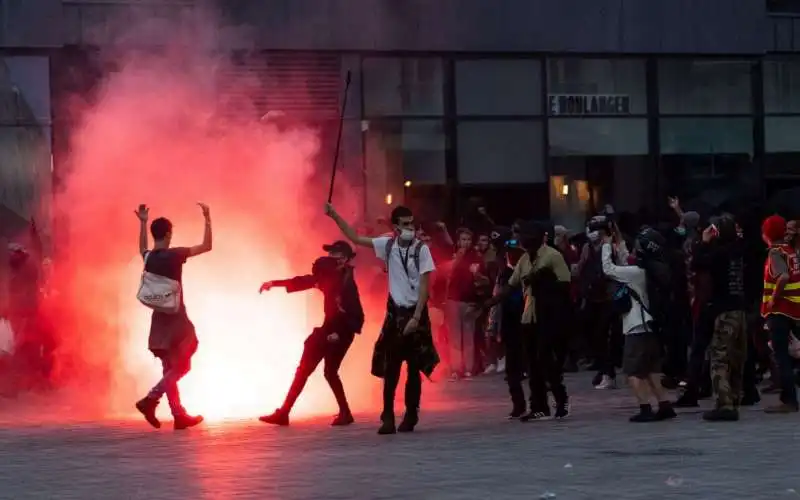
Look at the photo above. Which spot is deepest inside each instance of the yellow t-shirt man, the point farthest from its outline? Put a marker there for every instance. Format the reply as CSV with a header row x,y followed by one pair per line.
x,y
546,258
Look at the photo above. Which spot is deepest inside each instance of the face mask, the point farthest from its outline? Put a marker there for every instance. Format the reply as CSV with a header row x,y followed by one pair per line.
x,y
593,235
407,234
681,231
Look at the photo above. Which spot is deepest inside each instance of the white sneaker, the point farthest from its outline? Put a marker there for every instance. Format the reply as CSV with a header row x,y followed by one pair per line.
x,y
490,369
454,377
467,374
501,365
607,383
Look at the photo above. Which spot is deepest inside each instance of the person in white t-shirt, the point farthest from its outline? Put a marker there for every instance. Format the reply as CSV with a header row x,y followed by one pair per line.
x,y
406,333
642,349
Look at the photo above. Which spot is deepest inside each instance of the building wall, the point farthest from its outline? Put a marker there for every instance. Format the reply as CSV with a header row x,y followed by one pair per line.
x,y
463,96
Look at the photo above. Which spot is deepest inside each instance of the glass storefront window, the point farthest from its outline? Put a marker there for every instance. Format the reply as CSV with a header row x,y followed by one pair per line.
x,y
575,84
782,145
600,160
700,155
498,87
782,86
500,152
400,152
706,135
598,136
704,86
402,86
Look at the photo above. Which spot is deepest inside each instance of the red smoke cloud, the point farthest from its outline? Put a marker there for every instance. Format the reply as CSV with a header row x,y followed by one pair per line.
x,y
151,138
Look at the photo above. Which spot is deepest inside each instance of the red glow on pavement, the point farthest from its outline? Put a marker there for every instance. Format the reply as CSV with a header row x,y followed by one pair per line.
x,y
148,140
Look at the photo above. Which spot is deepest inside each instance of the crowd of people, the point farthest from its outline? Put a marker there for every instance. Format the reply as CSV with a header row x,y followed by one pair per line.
x,y
671,304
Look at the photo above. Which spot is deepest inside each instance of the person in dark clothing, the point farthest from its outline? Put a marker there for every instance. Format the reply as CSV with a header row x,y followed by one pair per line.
x,y
23,313
545,278
504,318
721,255
172,339
344,318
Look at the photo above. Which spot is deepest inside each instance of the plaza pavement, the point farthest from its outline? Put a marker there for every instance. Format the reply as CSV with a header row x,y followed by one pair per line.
x,y
463,450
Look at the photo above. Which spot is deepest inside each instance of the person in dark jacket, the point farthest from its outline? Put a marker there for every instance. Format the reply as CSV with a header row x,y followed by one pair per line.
x,y
344,318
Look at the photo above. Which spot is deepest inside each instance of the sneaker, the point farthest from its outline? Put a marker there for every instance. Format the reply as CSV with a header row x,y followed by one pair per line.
x,y
781,408
342,419
147,407
721,415
490,370
562,410
597,379
454,377
535,415
501,365
278,417
607,383
186,421
517,412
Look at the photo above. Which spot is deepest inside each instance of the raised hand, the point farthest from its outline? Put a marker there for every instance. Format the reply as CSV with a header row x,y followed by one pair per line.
x,y
266,287
142,213
205,209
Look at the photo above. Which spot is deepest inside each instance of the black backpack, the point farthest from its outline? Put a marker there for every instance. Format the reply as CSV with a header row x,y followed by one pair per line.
x,y
415,247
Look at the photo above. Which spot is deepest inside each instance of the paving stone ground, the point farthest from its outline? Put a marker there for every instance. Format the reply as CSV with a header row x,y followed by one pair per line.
x,y
466,450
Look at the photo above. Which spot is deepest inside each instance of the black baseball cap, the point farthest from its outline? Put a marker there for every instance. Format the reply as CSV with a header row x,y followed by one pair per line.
x,y
341,247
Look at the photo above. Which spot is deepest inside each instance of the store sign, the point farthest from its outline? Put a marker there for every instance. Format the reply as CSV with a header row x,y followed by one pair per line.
x,y
588,104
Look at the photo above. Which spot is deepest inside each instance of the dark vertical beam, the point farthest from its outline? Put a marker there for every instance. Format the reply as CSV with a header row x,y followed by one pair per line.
x,y
654,132
364,176
545,112
451,141
757,99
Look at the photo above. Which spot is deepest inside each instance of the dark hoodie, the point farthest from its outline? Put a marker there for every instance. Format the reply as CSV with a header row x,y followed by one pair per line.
x,y
723,260
342,303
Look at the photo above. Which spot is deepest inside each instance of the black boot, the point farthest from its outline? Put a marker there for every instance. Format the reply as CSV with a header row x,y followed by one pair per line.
x,y
343,418
278,417
410,420
185,421
721,415
517,411
665,411
688,399
387,425
645,414
751,398
147,407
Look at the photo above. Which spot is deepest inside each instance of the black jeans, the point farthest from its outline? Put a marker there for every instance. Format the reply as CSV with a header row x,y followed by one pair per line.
x,y
678,332
516,359
316,349
698,375
545,352
413,391
606,336
780,327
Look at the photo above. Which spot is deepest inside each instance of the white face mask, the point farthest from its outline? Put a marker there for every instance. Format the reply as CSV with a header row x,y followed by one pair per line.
x,y
407,234
593,235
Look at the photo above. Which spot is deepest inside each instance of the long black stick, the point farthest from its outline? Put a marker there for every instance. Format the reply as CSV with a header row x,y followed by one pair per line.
x,y
339,137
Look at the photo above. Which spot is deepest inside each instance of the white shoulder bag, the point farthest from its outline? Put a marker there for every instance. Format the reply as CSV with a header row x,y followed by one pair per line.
x,y
159,293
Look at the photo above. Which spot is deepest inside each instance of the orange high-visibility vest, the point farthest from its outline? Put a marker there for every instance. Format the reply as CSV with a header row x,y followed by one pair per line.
x,y
788,303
